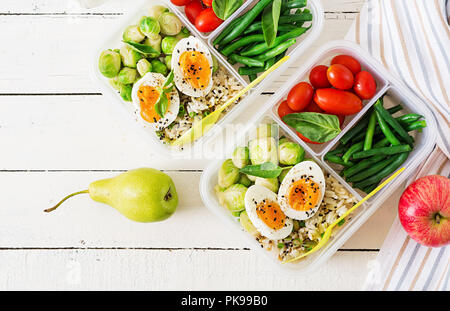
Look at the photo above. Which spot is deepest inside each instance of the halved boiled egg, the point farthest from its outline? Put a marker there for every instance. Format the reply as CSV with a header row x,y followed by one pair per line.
x,y
302,190
192,67
265,213
145,95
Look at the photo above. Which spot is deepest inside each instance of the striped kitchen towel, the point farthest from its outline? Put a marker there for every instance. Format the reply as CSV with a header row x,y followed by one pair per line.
x,y
411,38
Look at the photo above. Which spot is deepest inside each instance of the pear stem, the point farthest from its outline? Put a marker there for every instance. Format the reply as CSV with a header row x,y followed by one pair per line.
x,y
63,200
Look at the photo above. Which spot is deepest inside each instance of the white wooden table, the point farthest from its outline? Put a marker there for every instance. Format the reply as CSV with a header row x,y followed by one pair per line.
x,y
58,133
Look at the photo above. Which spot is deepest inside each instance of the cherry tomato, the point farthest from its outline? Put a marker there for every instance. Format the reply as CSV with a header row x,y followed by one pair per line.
x,y
365,85
340,77
300,96
284,109
192,10
307,140
208,3
313,107
348,61
338,102
207,21
180,2
318,77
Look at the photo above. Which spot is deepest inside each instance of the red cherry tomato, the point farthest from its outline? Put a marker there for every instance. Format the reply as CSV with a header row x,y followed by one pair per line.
x,y
207,21
307,140
208,3
180,2
313,107
365,85
340,77
348,61
318,77
300,96
338,102
284,109
192,10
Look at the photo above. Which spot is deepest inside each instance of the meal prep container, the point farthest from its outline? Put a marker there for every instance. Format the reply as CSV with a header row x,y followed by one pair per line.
x,y
113,40
397,93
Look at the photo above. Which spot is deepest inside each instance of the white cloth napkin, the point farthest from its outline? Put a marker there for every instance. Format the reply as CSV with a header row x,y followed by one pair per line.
x,y
411,38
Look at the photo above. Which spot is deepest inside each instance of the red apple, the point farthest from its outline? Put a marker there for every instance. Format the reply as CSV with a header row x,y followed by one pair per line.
x,y
424,210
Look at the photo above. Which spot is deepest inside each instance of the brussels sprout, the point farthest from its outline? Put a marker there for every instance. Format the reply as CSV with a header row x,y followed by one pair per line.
x,y
129,56
290,153
282,175
244,180
154,42
283,140
156,10
159,67
270,183
241,157
149,26
170,24
109,63
114,82
184,33
215,64
263,150
233,198
247,224
168,61
143,66
128,75
125,92
133,33
219,193
168,44
228,174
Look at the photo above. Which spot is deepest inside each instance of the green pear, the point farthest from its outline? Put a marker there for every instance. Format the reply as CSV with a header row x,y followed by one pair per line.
x,y
143,195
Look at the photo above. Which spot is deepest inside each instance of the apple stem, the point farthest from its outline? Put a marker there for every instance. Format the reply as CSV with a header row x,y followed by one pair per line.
x,y
64,199
438,218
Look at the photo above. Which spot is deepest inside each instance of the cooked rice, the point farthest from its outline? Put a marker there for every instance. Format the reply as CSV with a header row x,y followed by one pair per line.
x,y
225,87
337,200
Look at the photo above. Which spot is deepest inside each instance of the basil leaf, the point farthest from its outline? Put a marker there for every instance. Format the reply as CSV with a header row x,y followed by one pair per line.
x,y
225,8
318,127
143,49
265,170
162,103
169,79
270,17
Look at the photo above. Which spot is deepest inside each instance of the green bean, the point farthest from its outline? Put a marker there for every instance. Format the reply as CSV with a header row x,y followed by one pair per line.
x,y
370,171
409,118
227,30
370,131
293,18
418,125
370,188
293,4
352,150
386,130
227,50
398,160
360,166
262,47
247,60
276,50
339,150
245,71
269,63
392,122
253,27
252,77
337,160
247,19
395,109
383,150
355,130
382,143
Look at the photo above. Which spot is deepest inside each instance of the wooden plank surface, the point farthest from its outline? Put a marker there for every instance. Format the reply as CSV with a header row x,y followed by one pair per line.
x,y
59,134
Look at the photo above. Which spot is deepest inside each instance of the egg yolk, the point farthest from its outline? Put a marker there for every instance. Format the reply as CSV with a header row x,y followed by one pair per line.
x,y
196,69
271,214
148,96
304,194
